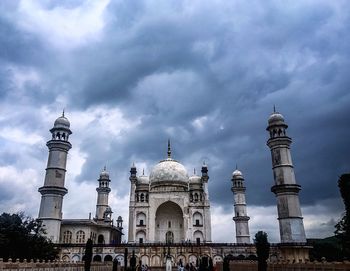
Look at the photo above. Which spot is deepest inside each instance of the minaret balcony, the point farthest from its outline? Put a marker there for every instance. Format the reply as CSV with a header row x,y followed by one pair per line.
x,y
282,141
240,218
286,189
53,190
103,189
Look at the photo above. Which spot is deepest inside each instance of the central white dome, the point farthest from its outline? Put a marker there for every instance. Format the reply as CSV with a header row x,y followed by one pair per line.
x,y
168,170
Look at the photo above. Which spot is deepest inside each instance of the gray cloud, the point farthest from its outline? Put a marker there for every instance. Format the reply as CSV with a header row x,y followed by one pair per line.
x,y
205,75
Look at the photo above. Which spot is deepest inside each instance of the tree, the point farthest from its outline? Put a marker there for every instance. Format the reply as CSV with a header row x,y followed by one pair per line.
x,y
329,248
262,249
133,261
22,237
343,226
88,255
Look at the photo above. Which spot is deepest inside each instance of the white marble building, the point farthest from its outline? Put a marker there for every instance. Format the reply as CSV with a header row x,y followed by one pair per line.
x,y
169,211
169,206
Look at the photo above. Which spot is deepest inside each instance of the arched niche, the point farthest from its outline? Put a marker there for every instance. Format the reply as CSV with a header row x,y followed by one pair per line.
x,y
169,218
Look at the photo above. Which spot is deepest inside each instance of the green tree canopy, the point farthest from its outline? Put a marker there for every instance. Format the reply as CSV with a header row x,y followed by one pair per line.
x,y
343,227
262,249
88,255
22,237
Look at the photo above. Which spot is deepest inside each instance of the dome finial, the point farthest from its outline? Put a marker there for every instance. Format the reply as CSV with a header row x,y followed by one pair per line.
x,y
236,166
143,172
274,108
104,168
169,149
194,171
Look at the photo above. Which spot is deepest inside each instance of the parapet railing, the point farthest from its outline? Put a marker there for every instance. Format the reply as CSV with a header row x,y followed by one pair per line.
x,y
182,244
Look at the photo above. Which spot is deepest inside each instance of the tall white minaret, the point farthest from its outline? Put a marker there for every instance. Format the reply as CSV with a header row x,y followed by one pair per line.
x,y
103,211
50,213
132,222
286,189
241,218
207,215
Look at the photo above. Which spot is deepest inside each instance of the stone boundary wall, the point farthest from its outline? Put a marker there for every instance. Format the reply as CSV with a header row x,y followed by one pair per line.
x,y
287,266
52,266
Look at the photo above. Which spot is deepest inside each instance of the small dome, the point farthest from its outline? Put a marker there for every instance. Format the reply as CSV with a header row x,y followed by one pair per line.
x,y
169,170
143,179
120,218
236,174
195,179
62,122
104,174
276,118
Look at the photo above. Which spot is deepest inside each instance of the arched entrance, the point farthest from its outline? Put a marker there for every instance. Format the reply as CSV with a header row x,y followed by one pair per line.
x,y
97,258
169,223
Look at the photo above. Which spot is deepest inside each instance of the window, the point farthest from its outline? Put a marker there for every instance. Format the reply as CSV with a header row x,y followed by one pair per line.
x,y
141,222
197,222
101,239
169,224
67,237
141,240
198,240
80,237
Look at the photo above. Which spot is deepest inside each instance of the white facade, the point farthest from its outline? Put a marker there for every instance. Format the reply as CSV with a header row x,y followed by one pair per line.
x,y
169,206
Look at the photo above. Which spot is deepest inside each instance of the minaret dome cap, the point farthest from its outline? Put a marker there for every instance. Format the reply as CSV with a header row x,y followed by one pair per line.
x,y
276,118
104,174
62,122
237,173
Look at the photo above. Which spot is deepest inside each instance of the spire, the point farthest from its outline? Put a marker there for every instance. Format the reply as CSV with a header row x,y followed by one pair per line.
x,y
169,149
194,171
274,108
143,172
63,112
104,168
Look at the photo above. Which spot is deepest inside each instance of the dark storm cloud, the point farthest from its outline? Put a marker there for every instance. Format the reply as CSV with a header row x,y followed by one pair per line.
x,y
205,75
284,55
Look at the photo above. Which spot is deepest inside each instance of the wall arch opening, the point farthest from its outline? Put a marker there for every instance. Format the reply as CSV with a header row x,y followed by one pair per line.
x,y
169,218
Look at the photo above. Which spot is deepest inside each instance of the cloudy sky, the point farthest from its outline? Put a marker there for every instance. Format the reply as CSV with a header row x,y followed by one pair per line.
x,y
206,74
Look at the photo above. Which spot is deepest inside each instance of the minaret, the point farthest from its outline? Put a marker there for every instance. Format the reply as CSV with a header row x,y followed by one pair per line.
x,y
52,192
241,218
207,215
286,189
103,211
132,222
